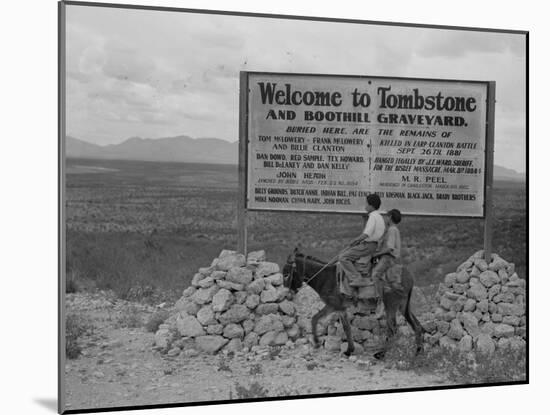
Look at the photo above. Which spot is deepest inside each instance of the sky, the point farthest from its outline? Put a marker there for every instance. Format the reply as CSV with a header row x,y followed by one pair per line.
x,y
158,74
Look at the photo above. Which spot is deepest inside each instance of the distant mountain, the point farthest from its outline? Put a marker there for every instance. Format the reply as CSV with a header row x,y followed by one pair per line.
x,y
186,149
181,149
503,173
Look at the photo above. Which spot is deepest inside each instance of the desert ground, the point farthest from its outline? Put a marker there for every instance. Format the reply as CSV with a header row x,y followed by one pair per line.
x,y
136,234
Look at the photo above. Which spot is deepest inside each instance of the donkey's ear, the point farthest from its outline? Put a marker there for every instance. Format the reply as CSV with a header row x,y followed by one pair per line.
x,y
290,259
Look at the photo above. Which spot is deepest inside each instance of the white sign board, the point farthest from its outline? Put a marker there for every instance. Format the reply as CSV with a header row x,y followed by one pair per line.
x,y
323,142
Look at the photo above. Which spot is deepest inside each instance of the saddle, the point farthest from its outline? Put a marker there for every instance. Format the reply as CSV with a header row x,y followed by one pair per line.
x,y
367,290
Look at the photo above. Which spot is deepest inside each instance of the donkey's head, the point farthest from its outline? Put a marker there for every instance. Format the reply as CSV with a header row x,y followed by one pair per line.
x,y
292,278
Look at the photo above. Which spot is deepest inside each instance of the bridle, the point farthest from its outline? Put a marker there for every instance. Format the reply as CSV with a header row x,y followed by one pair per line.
x,y
294,266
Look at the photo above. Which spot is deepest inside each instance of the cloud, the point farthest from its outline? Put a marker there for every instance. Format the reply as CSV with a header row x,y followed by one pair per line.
x,y
152,74
458,44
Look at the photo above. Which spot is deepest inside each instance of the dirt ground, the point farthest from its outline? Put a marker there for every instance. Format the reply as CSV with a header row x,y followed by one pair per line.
x,y
118,366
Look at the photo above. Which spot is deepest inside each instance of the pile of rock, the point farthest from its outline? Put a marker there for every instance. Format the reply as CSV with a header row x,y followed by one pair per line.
x,y
236,303
367,331
481,306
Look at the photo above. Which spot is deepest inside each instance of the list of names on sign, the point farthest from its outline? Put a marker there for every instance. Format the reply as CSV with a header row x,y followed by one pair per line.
x,y
323,142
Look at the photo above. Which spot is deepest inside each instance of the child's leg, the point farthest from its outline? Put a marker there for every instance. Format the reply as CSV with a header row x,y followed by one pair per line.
x,y
378,272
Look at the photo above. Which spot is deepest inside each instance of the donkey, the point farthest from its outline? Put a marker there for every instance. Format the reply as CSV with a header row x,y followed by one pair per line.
x,y
300,269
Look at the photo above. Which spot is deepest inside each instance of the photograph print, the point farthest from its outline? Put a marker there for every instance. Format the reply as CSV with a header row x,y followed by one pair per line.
x,y
260,207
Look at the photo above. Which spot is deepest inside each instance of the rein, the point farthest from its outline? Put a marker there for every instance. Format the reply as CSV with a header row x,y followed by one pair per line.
x,y
304,269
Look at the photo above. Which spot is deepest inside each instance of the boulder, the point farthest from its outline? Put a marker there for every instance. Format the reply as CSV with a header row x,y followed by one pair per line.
x,y
471,324
205,295
465,344
281,338
470,305
503,330
189,291
232,331
489,278
232,260
512,320
240,297
229,285
218,275
293,332
497,264
187,305
477,291
456,332
275,279
236,314
462,277
365,322
333,343
255,257
287,307
205,316
222,300
484,344
214,329
268,338
282,293
189,326
507,309
248,326
211,343
267,323
269,294
206,282
256,287
197,278
450,279
234,345
268,308
241,276
266,268
483,306
481,264
252,301
251,339
447,343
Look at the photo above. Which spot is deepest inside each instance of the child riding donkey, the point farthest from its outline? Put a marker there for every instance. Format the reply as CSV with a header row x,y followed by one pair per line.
x,y
380,239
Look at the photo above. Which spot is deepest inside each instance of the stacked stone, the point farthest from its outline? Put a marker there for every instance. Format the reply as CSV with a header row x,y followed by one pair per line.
x,y
234,304
481,307
366,330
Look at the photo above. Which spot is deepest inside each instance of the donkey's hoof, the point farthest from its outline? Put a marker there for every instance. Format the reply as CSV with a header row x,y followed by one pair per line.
x,y
380,355
348,352
316,344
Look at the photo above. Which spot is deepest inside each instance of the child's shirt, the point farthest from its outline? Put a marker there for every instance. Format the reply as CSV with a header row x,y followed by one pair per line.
x,y
392,241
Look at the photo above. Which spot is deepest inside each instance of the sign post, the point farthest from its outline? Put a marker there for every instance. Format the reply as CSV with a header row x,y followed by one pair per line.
x,y
243,143
488,226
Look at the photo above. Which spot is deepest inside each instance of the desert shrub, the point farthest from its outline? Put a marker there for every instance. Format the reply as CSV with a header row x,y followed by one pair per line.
x,y
256,390
71,284
504,365
223,366
130,317
76,326
255,369
253,391
156,320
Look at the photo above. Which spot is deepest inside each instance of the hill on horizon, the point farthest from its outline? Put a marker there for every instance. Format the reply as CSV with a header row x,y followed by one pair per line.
x,y
189,150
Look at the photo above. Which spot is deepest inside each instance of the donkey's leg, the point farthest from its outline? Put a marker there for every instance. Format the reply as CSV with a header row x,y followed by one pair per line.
x,y
415,324
391,306
347,330
315,319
